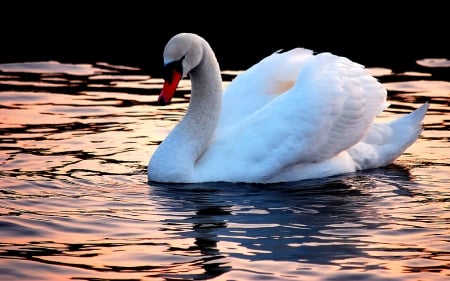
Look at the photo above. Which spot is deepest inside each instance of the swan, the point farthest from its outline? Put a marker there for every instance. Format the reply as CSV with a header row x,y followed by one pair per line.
x,y
292,116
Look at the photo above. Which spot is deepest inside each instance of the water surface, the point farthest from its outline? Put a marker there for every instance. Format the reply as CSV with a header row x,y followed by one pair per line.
x,y
75,204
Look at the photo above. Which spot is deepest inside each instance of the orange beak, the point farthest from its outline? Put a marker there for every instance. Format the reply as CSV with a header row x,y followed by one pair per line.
x,y
169,87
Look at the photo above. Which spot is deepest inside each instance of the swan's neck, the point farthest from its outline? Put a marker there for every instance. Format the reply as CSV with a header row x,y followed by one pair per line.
x,y
175,158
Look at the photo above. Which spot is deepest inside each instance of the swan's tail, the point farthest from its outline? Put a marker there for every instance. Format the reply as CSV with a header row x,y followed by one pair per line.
x,y
384,142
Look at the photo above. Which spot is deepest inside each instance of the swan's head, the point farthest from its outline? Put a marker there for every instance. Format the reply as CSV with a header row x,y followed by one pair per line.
x,y
182,53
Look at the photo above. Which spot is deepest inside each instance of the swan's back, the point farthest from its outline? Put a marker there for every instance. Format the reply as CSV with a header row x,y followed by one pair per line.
x,y
262,82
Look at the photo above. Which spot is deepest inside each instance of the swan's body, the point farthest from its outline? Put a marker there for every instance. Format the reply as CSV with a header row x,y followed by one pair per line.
x,y
292,116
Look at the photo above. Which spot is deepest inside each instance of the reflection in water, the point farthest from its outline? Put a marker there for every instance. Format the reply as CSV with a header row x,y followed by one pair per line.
x,y
325,222
209,217
75,203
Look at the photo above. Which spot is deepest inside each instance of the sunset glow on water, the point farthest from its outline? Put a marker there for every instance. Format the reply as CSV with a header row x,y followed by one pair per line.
x,y
75,140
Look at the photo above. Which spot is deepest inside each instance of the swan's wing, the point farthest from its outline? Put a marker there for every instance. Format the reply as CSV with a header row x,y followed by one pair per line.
x,y
259,84
338,101
329,109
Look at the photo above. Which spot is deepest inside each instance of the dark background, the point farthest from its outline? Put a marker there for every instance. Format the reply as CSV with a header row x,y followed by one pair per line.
x,y
134,32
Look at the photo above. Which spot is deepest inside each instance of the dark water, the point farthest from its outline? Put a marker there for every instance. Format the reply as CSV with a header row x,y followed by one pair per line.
x,y
75,204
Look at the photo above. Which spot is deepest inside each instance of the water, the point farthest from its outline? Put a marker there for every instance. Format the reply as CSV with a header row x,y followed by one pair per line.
x,y
75,204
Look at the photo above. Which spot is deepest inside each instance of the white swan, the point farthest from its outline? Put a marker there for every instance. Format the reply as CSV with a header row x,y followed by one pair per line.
x,y
292,116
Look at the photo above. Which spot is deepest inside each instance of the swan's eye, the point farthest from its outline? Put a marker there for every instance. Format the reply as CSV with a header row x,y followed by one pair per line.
x,y
171,67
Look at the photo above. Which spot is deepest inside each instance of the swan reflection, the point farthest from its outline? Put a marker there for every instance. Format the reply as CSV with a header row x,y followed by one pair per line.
x,y
304,223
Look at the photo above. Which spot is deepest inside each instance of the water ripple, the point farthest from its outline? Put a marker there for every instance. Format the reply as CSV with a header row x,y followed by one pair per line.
x,y
75,201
